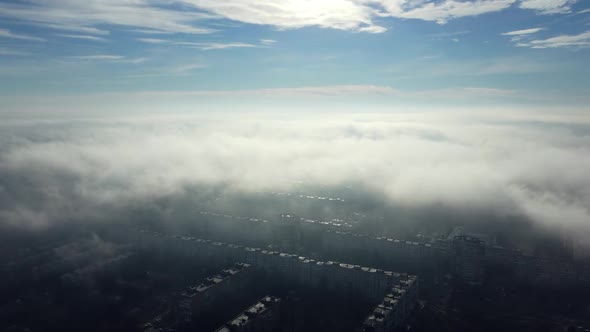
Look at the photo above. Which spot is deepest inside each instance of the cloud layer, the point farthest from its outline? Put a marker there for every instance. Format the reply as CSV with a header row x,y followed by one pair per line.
x,y
191,16
503,165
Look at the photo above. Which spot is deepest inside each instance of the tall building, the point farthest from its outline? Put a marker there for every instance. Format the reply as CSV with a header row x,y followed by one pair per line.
x,y
469,258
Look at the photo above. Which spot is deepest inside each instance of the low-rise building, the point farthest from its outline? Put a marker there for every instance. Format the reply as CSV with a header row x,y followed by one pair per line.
x,y
263,316
395,307
198,298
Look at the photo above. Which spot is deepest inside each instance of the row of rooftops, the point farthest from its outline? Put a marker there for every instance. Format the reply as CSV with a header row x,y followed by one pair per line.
x,y
216,279
490,250
250,314
379,238
469,239
321,198
284,217
381,316
277,254
229,216
457,233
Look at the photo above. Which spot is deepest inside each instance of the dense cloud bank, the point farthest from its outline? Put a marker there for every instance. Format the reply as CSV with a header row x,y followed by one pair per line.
x,y
51,171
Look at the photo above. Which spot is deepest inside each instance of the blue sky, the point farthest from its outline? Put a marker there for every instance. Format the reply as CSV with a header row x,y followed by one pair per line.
x,y
407,52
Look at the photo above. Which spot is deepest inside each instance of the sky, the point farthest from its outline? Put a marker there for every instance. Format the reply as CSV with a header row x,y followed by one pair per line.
x,y
122,55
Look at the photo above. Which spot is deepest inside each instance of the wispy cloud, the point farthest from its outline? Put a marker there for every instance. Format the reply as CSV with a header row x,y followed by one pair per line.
x,y
205,46
84,37
153,41
518,36
335,90
548,6
581,40
522,32
267,41
98,57
449,34
480,67
443,11
10,52
107,58
184,69
76,28
340,91
222,46
152,32
9,34
169,71
144,14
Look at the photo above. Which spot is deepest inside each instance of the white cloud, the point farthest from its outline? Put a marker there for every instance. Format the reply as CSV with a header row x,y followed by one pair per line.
x,y
108,58
206,46
293,14
187,68
155,17
9,34
267,41
581,40
152,32
443,11
100,57
84,37
153,40
75,14
76,28
222,46
518,36
548,6
357,15
522,32
373,29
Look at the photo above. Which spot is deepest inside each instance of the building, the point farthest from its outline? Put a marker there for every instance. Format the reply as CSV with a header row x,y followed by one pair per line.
x,y
395,308
363,281
199,298
263,316
469,253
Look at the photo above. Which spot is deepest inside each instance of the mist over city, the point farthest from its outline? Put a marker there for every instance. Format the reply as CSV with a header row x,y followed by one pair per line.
x,y
265,166
472,164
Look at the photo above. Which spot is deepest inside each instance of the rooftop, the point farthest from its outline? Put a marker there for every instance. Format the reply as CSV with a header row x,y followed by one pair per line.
x,y
249,314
